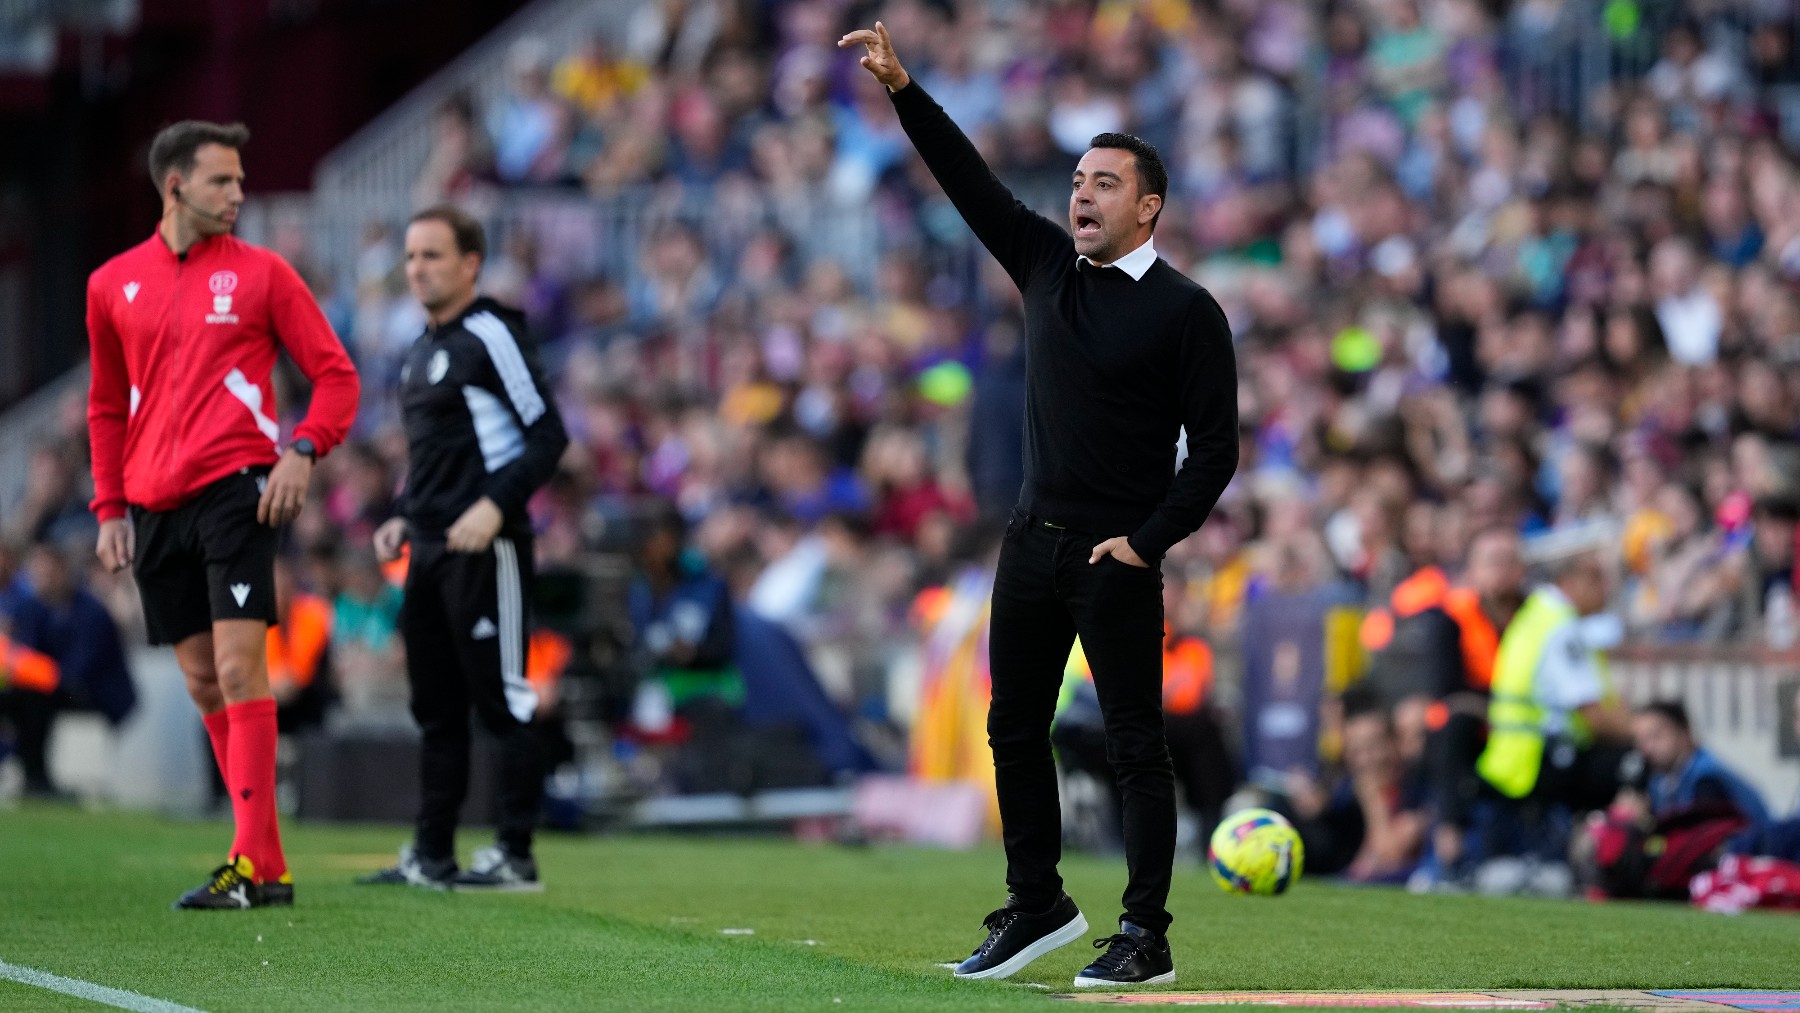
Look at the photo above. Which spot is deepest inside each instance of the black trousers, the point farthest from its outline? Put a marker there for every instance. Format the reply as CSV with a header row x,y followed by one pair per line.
x,y
1046,592
465,623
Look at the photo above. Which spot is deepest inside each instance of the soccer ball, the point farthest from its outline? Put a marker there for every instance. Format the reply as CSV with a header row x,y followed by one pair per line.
x,y
1255,851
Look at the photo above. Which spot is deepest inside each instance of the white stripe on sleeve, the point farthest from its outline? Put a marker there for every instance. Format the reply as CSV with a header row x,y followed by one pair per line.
x,y
510,363
501,441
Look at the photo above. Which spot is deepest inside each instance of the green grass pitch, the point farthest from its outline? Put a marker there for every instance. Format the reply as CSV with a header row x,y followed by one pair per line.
x,y
636,923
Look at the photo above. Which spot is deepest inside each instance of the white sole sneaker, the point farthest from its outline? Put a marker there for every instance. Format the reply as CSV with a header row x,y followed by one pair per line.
x,y
1074,930
1161,979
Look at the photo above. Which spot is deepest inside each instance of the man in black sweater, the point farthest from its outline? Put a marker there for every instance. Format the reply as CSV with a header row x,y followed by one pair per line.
x,y
1122,352
482,435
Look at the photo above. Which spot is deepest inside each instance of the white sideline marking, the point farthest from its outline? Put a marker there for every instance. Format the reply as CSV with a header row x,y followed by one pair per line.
x,y
90,991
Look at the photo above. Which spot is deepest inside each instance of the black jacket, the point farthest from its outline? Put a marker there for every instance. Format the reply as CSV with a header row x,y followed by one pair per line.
x,y
480,421
1114,368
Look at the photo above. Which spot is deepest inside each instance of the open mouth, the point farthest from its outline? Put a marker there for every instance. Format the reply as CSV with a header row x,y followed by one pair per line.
x,y
1086,225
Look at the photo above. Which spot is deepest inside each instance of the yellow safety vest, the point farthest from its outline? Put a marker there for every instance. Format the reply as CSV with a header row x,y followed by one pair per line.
x,y
1515,746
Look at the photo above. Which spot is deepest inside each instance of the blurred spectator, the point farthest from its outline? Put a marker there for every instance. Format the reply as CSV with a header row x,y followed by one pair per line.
x,y
526,124
299,653
54,508
1370,828
1556,730
682,624
461,155
1682,774
53,615
366,653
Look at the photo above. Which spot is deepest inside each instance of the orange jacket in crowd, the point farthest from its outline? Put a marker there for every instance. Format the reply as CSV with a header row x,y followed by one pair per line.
x,y
297,646
26,669
1427,589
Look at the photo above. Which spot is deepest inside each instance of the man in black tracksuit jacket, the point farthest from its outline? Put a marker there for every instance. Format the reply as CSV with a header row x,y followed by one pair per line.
x,y
483,434
1122,353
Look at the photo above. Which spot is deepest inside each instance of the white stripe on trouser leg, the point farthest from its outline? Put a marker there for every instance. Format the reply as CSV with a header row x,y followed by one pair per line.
x,y
521,699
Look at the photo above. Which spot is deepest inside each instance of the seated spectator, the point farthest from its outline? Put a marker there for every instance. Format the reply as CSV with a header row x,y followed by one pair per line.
x,y
1691,811
681,622
1682,774
53,615
1371,827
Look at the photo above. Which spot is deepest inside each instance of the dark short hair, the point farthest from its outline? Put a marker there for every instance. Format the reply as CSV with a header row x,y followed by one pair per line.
x,y
1673,711
470,236
175,146
1152,176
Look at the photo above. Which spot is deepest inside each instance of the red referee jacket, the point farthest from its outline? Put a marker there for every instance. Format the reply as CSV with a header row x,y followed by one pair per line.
x,y
182,349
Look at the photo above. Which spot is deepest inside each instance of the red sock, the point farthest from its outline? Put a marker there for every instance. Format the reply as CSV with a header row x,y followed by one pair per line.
x,y
252,784
218,729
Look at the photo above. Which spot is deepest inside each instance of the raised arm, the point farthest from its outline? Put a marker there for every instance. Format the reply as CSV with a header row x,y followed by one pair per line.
x,y
1020,239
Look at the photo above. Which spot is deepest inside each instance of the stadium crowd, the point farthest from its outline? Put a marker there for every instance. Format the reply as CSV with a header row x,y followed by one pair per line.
x,y
1466,298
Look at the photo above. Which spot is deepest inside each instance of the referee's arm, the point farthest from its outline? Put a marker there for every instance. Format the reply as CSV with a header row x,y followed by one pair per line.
x,y
511,487
303,330
109,409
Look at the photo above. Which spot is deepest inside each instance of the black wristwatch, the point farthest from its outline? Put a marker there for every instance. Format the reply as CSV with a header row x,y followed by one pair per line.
x,y
305,447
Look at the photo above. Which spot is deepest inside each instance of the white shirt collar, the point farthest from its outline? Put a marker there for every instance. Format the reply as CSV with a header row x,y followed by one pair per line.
x,y
1137,263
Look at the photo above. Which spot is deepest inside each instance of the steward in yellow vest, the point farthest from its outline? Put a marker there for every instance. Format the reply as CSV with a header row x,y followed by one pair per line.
x,y
1556,730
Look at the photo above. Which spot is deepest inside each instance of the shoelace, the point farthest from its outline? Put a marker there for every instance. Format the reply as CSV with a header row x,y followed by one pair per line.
x,y
1123,948
996,923
224,878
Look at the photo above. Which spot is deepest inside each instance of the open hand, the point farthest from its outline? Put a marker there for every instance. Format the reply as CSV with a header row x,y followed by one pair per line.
x,y
880,59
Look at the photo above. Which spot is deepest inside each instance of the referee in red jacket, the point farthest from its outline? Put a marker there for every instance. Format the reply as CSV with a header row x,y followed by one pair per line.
x,y
191,482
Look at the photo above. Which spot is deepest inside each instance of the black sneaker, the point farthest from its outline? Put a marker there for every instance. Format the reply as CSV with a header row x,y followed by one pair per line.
x,y
232,887
495,868
1016,938
414,869
279,893
1133,957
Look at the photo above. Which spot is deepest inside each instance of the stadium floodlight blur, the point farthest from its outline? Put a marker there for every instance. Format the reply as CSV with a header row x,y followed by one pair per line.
x,y
1530,265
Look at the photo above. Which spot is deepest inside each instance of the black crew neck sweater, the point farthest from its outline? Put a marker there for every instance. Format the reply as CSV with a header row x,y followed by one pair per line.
x,y
1115,367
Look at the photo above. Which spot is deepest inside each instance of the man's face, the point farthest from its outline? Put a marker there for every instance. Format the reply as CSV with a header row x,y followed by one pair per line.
x,y
1369,748
437,273
215,187
1105,209
1662,743
1496,569
1585,584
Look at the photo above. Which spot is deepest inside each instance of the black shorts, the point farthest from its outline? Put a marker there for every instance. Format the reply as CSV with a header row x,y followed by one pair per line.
x,y
206,560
